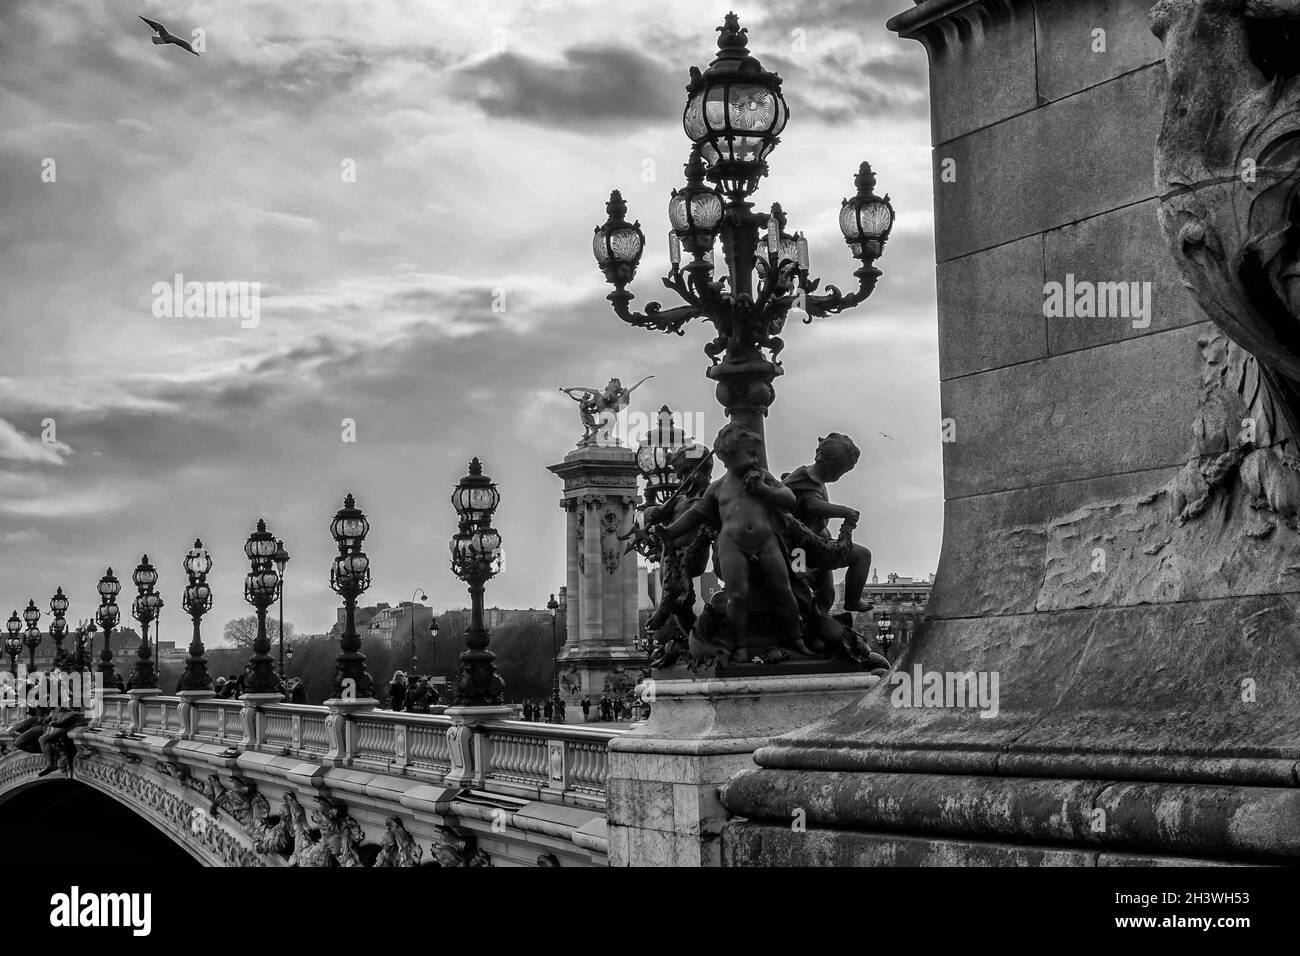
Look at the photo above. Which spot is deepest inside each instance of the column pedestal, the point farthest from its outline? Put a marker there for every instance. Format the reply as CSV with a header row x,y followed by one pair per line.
x,y
186,709
600,496
469,759
339,731
663,803
138,694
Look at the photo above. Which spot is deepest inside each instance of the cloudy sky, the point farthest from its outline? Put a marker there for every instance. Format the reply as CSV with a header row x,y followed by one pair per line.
x,y
485,139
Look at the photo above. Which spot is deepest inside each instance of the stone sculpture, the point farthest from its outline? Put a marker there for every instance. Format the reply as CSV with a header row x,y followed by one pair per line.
x,y
1228,169
598,407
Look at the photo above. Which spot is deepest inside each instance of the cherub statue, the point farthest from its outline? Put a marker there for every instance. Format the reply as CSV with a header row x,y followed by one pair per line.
x,y
748,506
684,558
597,409
836,457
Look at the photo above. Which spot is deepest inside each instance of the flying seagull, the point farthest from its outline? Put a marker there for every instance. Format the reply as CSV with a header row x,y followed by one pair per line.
x,y
879,432
162,36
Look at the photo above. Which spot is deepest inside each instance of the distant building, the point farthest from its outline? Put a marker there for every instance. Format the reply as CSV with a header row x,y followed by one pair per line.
x,y
125,644
904,598
397,624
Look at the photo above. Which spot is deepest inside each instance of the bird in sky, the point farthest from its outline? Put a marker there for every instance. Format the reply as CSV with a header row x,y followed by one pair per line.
x,y
162,36
879,432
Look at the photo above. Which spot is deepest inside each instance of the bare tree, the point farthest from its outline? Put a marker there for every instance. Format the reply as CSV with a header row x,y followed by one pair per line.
x,y
242,631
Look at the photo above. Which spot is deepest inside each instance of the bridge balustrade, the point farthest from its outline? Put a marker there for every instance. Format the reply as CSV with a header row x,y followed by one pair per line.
x,y
559,762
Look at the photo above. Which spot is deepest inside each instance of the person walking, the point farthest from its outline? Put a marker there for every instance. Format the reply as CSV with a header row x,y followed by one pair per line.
x,y
397,691
548,710
586,708
559,711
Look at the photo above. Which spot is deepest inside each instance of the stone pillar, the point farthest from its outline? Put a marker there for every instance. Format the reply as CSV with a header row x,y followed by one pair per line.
x,y
572,619
664,776
600,497
1115,609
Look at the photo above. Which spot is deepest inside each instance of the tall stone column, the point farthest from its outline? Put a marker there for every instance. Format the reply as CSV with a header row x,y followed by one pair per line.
x,y
600,497
1119,535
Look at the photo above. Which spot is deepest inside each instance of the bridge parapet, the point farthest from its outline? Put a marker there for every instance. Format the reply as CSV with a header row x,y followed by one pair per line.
x,y
535,791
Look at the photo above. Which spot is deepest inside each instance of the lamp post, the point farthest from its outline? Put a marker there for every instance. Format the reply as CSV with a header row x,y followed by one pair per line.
x,y
32,616
196,602
281,559
108,615
423,597
885,632
350,577
59,628
85,655
145,609
475,559
553,606
261,585
734,116
433,649
13,643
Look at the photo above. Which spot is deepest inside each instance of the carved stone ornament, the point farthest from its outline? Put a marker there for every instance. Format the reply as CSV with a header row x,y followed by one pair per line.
x,y
1228,171
611,548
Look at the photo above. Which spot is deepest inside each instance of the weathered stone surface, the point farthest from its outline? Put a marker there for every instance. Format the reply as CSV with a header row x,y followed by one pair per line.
x,y
994,552
1181,819
1073,416
1129,551
1075,157
1125,245
754,844
751,844
982,70
1067,56
991,308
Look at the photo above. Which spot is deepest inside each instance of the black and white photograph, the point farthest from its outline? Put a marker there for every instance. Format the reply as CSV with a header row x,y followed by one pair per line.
x,y
859,436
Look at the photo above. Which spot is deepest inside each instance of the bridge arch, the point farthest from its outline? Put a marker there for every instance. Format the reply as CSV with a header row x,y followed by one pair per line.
x,y
154,798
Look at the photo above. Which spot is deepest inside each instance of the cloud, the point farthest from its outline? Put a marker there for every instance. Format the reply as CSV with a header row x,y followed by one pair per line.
x,y
17,446
586,87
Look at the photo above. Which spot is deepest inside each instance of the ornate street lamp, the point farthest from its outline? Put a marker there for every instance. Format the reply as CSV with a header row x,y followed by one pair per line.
x,y
13,643
281,559
350,577
145,609
59,628
554,607
261,586
734,116
32,616
885,632
433,640
108,615
475,559
196,601
411,620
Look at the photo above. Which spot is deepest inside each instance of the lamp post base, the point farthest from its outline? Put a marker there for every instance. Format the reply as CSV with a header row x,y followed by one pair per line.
x,y
699,734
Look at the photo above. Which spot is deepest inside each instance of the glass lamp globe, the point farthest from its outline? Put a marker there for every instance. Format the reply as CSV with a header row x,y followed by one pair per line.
x,y
109,586
197,561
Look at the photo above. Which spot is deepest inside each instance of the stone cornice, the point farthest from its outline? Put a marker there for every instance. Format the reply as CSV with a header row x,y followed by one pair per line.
x,y
937,23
